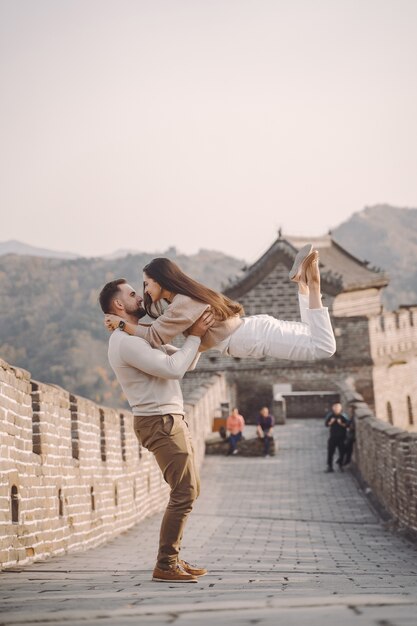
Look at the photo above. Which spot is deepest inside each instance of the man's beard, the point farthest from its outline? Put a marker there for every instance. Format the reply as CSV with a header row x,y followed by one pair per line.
x,y
138,313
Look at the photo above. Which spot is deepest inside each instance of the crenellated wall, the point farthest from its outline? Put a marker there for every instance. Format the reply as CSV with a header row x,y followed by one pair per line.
x,y
394,332
386,457
72,474
394,350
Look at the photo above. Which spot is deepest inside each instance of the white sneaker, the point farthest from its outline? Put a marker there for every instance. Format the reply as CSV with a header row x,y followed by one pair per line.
x,y
295,271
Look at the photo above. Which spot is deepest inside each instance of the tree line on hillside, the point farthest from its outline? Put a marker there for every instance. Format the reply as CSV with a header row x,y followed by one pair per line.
x,y
51,322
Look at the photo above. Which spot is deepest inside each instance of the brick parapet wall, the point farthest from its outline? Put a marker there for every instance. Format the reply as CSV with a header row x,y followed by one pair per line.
x,y
394,349
394,333
395,387
386,457
69,503
256,391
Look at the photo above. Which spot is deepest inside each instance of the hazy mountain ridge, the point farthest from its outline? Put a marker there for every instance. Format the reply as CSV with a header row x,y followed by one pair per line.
x,y
387,237
51,322
19,247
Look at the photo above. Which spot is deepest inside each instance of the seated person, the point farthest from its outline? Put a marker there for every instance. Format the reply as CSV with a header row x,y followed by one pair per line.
x,y
235,425
264,428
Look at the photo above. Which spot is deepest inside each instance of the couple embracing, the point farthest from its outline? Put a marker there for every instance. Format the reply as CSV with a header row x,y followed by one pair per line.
x,y
149,368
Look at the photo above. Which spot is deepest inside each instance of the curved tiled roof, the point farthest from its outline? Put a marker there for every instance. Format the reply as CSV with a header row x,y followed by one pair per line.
x,y
340,270
354,273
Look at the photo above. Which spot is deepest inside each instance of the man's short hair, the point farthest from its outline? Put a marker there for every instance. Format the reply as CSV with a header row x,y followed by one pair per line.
x,y
109,293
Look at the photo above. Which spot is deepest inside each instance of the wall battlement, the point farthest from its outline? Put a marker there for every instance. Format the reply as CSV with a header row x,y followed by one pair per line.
x,y
386,457
393,340
73,474
393,333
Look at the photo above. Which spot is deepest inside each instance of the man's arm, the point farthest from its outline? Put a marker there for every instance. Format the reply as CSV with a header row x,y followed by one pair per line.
x,y
169,349
180,315
138,353
329,419
259,430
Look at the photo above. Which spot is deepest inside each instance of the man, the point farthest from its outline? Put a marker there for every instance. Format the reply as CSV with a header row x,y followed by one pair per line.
x,y
337,422
350,439
235,425
264,428
149,379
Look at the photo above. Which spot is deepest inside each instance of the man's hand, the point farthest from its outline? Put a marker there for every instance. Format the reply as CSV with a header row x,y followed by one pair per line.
x,y
111,322
201,326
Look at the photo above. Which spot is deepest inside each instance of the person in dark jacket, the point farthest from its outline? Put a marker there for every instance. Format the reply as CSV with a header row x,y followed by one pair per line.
x,y
337,422
349,440
264,428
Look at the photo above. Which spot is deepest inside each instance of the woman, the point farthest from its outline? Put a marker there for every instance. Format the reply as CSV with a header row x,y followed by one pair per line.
x,y
254,336
235,424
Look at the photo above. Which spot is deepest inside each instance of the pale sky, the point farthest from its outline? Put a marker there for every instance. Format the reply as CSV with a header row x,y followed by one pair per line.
x,y
202,123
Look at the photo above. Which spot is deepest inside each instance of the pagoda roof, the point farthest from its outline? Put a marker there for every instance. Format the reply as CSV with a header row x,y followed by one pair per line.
x,y
340,270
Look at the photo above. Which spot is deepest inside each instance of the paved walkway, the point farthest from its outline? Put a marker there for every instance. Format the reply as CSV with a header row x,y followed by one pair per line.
x,y
285,544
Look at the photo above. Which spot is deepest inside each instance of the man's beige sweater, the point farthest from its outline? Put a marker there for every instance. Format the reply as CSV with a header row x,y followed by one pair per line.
x,y
149,377
179,316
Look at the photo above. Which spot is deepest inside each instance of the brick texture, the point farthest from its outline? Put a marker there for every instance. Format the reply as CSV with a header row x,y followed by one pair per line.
x,y
386,457
275,295
394,351
52,446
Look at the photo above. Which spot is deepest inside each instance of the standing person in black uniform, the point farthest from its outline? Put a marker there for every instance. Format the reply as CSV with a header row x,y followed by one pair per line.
x,y
349,440
337,422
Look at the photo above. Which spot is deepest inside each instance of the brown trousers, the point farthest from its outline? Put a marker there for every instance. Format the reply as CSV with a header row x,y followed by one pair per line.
x,y
168,438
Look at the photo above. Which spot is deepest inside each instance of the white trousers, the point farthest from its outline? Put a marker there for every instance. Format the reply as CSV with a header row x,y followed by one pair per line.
x,y
263,335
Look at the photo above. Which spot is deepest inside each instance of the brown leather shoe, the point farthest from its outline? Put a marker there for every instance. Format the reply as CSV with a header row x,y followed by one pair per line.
x,y
295,271
192,569
174,574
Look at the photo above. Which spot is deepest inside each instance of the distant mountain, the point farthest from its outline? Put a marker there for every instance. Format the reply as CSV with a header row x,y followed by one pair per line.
x,y
24,249
52,325
387,237
17,247
119,254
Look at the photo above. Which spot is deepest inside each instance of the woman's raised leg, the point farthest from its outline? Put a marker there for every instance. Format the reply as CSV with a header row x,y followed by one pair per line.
x,y
313,338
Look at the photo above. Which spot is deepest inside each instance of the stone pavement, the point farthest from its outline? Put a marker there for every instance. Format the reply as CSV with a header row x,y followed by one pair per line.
x,y
285,543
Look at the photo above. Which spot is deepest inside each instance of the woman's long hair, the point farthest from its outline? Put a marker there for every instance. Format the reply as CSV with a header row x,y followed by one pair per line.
x,y
167,274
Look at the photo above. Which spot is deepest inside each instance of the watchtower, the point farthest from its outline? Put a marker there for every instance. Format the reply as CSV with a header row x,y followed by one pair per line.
x,y
352,291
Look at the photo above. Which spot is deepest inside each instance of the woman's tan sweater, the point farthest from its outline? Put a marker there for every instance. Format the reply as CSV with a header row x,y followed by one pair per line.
x,y
179,316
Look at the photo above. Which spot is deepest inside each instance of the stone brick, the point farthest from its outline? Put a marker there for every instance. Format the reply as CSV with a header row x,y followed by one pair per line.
x,y
40,531
386,457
